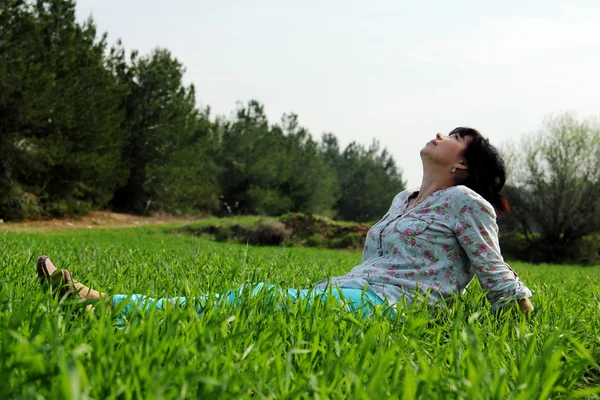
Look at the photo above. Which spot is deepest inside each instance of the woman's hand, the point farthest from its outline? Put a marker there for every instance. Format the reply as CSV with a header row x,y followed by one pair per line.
x,y
526,306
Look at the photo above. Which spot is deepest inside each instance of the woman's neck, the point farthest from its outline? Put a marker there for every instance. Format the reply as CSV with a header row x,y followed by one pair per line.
x,y
430,184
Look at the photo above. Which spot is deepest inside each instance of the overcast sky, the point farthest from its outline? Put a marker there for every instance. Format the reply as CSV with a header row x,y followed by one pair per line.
x,y
398,71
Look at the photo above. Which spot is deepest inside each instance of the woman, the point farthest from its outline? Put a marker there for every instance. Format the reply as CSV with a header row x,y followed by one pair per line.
x,y
429,245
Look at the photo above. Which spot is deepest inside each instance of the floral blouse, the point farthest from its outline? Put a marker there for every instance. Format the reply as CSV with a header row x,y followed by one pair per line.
x,y
435,249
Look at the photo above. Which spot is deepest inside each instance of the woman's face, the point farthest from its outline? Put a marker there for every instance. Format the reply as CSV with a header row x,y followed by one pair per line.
x,y
446,150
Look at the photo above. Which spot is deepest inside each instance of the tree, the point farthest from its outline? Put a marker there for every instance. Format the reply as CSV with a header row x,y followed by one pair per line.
x,y
271,170
165,155
306,178
83,127
554,185
368,179
251,160
187,181
60,133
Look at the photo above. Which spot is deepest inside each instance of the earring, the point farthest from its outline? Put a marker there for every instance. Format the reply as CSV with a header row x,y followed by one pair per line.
x,y
453,170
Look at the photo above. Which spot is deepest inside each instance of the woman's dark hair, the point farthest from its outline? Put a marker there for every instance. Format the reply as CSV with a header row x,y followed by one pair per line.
x,y
487,173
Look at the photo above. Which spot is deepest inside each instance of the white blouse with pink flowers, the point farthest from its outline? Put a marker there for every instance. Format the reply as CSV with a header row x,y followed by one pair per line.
x,y
434,250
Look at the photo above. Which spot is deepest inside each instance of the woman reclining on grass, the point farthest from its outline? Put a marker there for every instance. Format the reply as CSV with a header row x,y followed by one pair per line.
x,y
429,245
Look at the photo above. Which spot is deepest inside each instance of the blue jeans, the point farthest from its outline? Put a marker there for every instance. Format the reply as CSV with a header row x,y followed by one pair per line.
x,y
358,301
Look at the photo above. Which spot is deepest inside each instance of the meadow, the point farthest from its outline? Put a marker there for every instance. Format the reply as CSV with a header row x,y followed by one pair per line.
x,y
55,349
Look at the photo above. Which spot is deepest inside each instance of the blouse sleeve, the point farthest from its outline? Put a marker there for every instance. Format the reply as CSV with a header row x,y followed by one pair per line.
x,y
477,233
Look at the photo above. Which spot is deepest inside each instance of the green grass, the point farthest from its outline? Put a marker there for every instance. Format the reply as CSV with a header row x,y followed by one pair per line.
x,y
57,350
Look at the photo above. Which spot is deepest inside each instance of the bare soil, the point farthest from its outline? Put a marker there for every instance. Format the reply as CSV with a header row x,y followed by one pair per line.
x,y
94,220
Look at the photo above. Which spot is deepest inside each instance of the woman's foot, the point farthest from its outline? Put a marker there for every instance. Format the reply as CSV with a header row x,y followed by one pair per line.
x,y
55,279
61,280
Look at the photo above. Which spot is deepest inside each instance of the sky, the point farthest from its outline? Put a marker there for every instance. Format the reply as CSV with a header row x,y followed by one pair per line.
x,y
392,70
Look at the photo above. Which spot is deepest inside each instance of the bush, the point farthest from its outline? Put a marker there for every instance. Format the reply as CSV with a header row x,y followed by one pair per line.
x,y
581,251
586,250
223,234
16,204
305,225
347,240
269,233
292,230
316,241
513,245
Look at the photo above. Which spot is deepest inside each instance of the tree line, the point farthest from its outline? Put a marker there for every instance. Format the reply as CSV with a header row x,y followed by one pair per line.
x,y
85,125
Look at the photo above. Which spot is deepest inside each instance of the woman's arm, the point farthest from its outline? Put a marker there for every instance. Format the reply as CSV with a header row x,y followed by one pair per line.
x,y
477,233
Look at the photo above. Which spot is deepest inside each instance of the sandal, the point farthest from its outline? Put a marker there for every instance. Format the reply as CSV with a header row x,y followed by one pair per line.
x,y
55,279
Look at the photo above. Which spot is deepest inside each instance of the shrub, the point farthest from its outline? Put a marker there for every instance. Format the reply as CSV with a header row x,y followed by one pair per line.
x,y
323,232
347,240
290,230
316,241
305,225
515,246
16,204
223,234
269,233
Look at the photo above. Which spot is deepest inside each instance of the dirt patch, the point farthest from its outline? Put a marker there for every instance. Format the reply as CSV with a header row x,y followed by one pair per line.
x,y
94,220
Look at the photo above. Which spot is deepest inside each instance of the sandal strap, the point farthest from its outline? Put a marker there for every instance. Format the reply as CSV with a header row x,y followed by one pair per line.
x,y
59,280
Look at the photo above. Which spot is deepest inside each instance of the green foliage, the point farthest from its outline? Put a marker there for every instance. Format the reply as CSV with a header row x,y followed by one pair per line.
x,y
289,230
186,183
368,179
269,233
309,180
263,232
84,127
316,240
167,144
271,170
55,349
583,251
349,240
554,188
250,164
60,134
314,231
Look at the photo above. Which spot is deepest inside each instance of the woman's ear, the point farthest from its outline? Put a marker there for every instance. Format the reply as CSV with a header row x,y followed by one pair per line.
x,y
461,165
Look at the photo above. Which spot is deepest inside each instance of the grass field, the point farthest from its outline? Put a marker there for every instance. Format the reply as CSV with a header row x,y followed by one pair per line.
x,y
59,351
